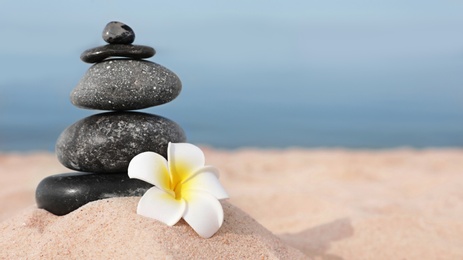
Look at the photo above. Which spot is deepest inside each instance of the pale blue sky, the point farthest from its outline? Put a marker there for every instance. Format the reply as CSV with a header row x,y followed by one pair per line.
x,y
373,60
321,31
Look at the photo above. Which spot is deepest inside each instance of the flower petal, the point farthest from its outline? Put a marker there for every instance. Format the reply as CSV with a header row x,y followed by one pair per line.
x,y
150,167
203,213
161,206
184,160
207,168
206,180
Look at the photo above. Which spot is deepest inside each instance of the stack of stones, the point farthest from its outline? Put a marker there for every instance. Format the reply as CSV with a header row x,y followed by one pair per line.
x,y
101,146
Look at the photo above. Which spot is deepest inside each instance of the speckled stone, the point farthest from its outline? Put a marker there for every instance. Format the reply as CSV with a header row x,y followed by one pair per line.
x,y
117,50
125,85
117,32
105,143
63,193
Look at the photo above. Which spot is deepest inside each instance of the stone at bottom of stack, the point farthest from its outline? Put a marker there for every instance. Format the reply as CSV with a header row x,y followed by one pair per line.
x,y
63,193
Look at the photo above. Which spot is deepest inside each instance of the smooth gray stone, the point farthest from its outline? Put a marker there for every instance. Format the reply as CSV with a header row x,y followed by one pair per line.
x,y
105,143
61,194
125,85
117,50
117,32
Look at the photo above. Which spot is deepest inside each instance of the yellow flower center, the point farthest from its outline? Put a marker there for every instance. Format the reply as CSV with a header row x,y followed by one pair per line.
x,y
178,191
180,172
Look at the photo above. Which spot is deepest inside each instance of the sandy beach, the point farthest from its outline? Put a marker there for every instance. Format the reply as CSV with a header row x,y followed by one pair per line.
x,y
284,204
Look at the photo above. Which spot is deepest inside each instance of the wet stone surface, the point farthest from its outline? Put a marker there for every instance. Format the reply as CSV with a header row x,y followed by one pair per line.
x,y
63,193
105,143
117,32
125,85
117,50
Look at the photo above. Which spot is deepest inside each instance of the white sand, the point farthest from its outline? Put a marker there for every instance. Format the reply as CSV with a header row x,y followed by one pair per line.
x,y
110,229
330,204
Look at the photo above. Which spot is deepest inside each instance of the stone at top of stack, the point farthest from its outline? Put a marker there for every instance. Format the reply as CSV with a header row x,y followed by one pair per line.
x,y
126,83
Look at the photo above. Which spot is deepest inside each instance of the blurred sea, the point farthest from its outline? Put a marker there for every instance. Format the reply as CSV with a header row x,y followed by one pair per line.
x,y
267,109
353,74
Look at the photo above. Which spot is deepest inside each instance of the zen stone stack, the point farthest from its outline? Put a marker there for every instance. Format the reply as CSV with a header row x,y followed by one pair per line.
x,y
101,146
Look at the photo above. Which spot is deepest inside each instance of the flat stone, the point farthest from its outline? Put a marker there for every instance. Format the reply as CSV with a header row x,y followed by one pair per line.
x,y
117,32
117,50
63,193
105,143
122,84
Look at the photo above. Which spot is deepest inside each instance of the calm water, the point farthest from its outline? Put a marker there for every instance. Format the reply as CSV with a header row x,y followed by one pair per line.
x,y
280,108
261,74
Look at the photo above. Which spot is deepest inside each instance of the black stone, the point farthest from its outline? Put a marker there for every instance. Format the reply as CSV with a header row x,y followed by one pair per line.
x,y
122,84
63,193
117,50
117,32
105,143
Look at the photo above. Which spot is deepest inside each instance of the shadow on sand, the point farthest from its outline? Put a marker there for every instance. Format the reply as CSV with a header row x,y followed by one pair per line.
x,y
316,241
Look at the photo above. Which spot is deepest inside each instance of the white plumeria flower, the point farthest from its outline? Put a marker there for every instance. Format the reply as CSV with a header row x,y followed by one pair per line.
x,y
184,188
